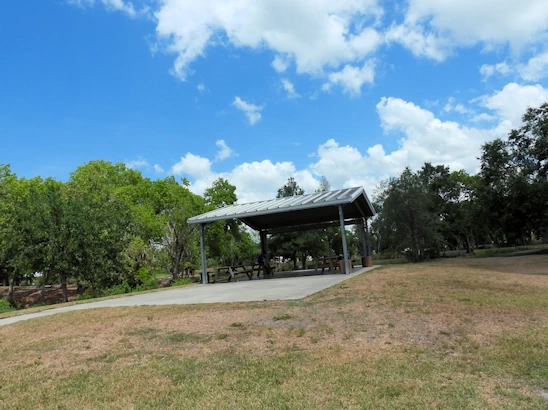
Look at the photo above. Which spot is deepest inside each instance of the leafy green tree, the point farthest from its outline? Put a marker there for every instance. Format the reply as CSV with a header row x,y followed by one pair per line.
x,y
298,244
19,227
515,181
174,204
407,205
222,236
101,221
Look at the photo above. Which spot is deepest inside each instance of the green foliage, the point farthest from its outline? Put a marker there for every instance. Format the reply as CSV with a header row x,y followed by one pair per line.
x,y
5,306
146,280
183,282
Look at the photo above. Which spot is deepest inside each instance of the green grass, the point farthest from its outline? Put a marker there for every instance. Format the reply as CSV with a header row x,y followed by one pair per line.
x,y
425,336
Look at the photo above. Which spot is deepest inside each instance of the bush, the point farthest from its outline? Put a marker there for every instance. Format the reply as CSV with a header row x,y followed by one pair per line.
x,y
5,306
85,296
146,280
183,281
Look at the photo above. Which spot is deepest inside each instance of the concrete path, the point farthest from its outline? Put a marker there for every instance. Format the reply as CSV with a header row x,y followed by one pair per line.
x,y
243,291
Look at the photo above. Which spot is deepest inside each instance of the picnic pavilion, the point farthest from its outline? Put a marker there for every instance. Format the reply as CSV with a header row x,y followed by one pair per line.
x,y
342,207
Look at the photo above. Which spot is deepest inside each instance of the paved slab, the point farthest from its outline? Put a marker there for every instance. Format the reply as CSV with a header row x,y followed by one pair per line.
x,y
243,291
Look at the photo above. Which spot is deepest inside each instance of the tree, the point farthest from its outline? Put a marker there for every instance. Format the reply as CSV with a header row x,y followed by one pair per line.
x,y
293,244
222,236
515,180
290,189
174,204
19,228
99,220
407,214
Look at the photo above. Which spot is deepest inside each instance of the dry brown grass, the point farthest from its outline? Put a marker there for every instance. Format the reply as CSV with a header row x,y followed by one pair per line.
x,y
466,333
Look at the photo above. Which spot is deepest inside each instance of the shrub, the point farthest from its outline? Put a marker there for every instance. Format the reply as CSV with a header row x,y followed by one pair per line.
x,y
146,280
5,306
183,281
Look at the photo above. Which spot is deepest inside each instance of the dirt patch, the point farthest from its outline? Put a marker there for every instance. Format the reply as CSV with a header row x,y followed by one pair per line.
x,y
28,296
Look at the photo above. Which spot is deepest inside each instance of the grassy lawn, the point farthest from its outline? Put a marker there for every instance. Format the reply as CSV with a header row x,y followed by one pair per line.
x,y
461,333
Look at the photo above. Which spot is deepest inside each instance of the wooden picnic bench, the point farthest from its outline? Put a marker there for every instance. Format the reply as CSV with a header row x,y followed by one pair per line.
x,y
329,262
230,272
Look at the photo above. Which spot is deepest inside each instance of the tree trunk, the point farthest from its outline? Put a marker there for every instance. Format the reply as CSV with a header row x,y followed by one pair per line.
x,y
294,257
175,269
304,261
63,279
11,298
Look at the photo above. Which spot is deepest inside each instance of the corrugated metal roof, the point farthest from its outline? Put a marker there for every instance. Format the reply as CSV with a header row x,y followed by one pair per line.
x,y
286,204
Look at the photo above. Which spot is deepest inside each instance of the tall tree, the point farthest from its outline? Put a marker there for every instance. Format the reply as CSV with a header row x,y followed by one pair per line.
x,y
174,204
407,205
222,236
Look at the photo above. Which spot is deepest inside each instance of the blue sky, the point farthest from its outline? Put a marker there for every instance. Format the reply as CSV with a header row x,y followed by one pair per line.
x,y
256,91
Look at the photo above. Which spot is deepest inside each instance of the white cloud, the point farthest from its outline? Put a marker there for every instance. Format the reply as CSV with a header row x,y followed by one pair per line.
x,y
193,165
425,138
137,163
536,68
487,70
351,78
419,41
313,34
511,102
422,138
201,87
289,88
115,5
224,150
452,106
433,28
251,111
158,169
280,64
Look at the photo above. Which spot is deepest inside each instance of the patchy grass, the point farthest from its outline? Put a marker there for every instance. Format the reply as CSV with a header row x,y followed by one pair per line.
x,y
285,316
462,333
39,308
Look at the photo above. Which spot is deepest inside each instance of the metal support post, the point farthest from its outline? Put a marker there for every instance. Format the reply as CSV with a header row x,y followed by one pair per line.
x,y
343,235
202,250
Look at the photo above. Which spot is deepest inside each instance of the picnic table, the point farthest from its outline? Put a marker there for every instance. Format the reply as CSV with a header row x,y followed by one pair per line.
x,y
329,262
230,272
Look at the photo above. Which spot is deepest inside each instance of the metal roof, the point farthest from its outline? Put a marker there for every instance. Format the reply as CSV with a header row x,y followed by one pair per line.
x,y
294,211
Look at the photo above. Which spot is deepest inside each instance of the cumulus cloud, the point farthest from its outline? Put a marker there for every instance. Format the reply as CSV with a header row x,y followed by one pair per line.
x,y
510,103
158,169
251,111
280,64
352,78
422,137
136,163
489,22
289,89
312,34
453,106
487,70
115,5
194,166
536,68
224,150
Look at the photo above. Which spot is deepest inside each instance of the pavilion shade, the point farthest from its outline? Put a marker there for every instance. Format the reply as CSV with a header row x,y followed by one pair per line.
x,y
295,211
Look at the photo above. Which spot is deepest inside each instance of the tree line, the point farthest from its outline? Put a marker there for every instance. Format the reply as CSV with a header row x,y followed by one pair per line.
x,y
426,212
110,226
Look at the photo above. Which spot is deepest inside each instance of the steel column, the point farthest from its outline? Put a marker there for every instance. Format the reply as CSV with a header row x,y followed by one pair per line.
x,y
343,235
264,245
202,250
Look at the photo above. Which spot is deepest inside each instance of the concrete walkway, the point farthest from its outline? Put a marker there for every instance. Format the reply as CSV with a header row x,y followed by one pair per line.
x,y
243,291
